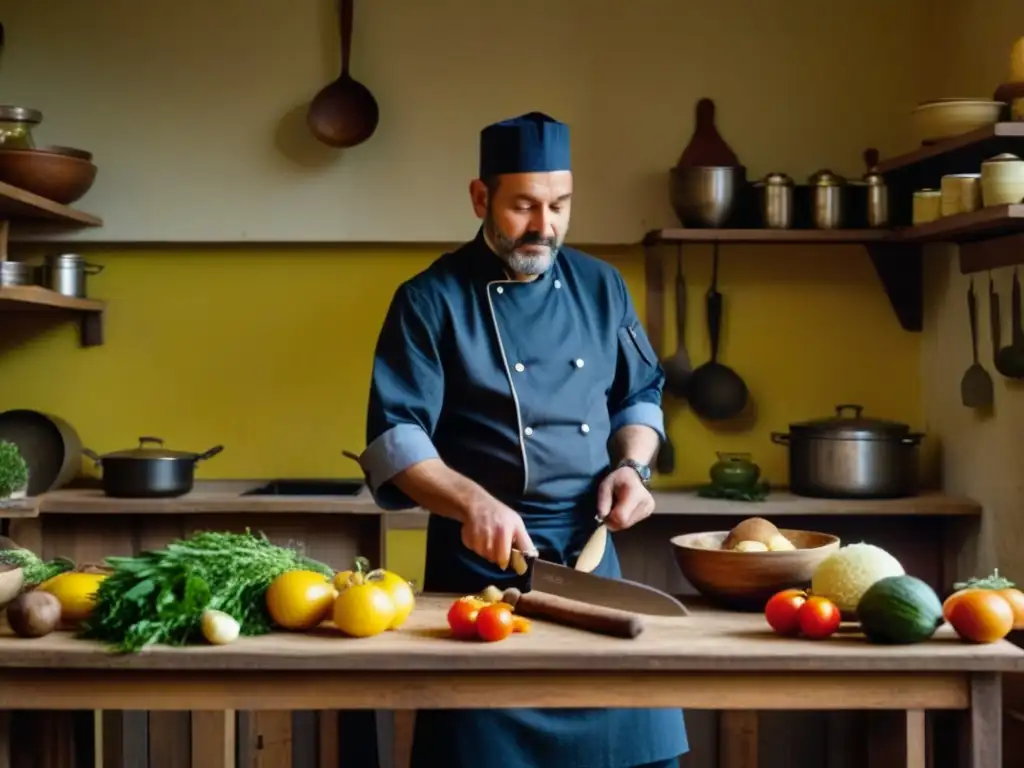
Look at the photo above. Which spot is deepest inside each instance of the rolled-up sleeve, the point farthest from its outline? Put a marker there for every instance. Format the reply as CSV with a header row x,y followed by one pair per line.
x,y
406,396
635,395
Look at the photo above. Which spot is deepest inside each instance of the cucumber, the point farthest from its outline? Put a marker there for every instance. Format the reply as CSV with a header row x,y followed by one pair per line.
x,y
899,610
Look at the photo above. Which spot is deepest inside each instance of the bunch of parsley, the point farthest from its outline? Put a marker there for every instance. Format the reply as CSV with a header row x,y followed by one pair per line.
x,y
159,596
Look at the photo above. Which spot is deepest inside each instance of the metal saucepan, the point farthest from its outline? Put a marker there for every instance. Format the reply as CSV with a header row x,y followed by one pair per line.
x,y
149,473
851,457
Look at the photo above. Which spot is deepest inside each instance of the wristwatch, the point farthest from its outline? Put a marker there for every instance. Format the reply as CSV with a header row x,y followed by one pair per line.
x,y
641,469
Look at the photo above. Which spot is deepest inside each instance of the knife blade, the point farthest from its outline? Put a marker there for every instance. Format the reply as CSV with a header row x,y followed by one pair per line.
x,y
593,551
620,594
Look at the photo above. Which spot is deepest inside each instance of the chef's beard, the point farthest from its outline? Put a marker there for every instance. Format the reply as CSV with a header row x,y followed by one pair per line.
x,y
516,258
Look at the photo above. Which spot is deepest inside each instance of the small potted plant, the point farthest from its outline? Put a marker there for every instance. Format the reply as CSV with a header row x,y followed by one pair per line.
x,y
13,472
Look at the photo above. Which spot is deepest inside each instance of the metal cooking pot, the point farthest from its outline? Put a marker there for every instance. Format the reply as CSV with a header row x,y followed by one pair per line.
x,y
149,473
851,457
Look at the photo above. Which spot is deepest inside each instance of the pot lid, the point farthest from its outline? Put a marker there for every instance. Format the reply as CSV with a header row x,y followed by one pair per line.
x,y
775,179
849,423
825,178
156,452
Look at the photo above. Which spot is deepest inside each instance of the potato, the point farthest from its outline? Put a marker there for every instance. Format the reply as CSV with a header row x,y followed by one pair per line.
x,y
751,529
750,546
779,543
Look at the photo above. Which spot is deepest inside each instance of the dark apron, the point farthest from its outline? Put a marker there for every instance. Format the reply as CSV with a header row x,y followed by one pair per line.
x,y
534,738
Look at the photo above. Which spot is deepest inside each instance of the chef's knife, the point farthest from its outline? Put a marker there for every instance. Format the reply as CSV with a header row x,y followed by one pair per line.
x,y
569,583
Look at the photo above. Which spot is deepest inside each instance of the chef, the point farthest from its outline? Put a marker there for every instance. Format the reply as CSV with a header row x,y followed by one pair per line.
x,y
516,397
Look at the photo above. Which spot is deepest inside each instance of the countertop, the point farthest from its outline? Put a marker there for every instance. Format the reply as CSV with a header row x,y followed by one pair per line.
x,y
708,640
220,496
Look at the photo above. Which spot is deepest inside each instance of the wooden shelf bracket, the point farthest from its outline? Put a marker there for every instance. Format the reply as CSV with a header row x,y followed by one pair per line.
x,y
900,267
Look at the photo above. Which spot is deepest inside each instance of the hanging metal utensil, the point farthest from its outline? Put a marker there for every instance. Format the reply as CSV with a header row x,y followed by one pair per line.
x,y
716,392
976,390
678,367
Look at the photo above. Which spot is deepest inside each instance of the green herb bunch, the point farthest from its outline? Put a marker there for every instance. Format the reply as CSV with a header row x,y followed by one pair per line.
x,y
160,596
13,469
34,570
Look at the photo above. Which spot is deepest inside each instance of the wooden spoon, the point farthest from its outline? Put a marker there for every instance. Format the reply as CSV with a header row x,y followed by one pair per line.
x,y
344,113
976,390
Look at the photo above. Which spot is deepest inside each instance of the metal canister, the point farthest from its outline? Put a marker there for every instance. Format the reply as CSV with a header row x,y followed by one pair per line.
x,y
776,201
878,199
16,273
827,199
66,273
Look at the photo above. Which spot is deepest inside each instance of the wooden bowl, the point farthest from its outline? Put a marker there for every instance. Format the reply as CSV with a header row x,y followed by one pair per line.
x,y
744,581
56,176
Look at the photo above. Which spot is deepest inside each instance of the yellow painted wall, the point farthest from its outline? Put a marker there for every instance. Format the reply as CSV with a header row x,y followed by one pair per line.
x,y
269,353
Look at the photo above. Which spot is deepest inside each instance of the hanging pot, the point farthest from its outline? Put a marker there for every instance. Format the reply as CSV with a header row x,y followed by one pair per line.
x,y
149,473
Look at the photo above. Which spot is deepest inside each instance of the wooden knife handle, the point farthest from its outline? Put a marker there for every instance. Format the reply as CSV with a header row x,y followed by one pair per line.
x,y
575,613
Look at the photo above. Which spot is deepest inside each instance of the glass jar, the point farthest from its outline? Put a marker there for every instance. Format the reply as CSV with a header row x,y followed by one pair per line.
x,y
16,124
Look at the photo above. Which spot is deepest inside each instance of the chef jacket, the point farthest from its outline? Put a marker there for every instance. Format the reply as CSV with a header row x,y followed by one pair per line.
x,y
516,385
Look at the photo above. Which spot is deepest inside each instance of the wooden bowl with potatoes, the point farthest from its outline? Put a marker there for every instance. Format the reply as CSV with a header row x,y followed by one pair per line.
x,y
742,568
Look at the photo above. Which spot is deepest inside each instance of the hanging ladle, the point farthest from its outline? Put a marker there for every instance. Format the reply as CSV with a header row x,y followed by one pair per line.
x,y
678,367
976,390
1010,359
344,113
716,392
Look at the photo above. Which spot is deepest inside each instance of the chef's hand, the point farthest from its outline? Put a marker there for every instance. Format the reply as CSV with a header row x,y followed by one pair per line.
x,y
622,499
493,529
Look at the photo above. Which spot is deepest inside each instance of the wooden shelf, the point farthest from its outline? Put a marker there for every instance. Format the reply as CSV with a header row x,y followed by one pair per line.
x,y
33,298
765,236
782,504
984,142
996,221
18,204
989,238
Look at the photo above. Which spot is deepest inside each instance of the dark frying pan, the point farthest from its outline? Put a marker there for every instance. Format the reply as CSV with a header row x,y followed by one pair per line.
x,y
51,447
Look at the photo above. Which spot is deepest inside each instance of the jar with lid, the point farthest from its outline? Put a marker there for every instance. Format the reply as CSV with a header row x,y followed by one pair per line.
x,y
827,199
16,125
66,273
775,197
877,199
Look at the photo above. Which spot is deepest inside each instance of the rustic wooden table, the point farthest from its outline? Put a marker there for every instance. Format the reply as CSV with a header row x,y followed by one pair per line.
x,y
708,660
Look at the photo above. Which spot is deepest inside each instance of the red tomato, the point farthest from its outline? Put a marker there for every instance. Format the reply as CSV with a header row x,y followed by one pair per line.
x,y
462,617
783,609
494,622
819,618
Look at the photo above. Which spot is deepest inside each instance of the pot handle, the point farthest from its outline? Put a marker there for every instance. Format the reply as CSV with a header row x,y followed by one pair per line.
x,y
210,453
153,440
91,454
857,410
780,438
912,439
351,455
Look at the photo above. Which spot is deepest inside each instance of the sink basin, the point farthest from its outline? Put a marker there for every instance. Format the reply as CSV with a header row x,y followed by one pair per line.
x,y
312,487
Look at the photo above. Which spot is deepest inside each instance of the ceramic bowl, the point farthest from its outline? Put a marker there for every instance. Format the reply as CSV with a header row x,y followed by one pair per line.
x,y
934,121
59,177
744,581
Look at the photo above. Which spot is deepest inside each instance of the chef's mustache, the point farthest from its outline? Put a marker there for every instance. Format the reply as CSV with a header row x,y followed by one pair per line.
x,y
536,238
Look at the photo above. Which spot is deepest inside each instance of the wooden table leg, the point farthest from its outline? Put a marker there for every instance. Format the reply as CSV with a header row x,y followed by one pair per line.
x,y
897,739
737,739
984,745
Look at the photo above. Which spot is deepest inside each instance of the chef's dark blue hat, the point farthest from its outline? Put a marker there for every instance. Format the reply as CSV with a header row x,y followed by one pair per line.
x,y
530,143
